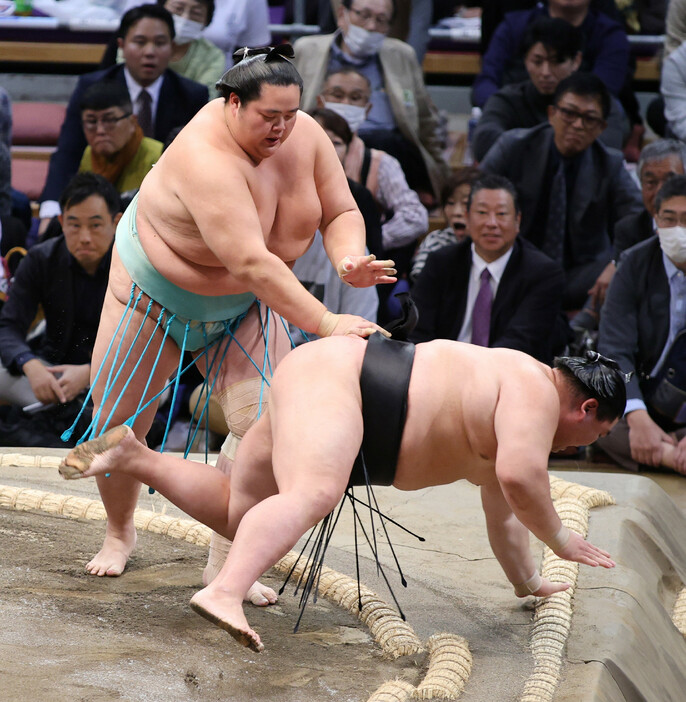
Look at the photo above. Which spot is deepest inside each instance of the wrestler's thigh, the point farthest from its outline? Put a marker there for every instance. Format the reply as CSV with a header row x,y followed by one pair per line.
x,y
123,345
316,420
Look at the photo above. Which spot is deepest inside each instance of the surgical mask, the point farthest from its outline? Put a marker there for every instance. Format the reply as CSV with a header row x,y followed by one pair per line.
x,y
673,242
186,30
361,42
354,115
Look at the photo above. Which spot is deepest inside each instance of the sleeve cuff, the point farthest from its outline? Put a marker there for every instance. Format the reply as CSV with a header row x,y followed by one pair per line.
x,y
19,361
633,405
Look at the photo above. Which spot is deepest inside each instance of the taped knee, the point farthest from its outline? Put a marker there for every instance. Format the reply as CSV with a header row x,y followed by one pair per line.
x,y
241,404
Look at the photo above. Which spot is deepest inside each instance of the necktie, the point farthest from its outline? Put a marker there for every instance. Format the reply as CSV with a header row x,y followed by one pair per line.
x,y
144,112
481,314
553,243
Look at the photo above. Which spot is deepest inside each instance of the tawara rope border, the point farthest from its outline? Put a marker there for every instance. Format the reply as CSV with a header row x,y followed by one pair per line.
x,y
450,660
553,615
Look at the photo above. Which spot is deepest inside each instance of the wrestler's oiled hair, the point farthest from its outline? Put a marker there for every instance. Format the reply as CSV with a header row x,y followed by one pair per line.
x,y
334,123
85,184
270,65
597,377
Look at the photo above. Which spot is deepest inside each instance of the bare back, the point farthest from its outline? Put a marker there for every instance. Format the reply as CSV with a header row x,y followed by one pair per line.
x,y
455,392
205,185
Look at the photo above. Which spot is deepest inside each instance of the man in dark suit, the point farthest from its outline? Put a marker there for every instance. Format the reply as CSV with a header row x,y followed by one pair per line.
x,y
526,285
162,99
644,311
66,276
659,161
572,188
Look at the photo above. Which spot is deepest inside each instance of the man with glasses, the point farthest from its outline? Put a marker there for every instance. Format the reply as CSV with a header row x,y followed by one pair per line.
x,y
162,99
573,189
402,120
116,149
644,313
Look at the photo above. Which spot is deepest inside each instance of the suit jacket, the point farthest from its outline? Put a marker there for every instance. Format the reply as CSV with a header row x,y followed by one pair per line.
x,y
520,106
631,230
603,191
634,323
413,110
44,278
180,99
525,309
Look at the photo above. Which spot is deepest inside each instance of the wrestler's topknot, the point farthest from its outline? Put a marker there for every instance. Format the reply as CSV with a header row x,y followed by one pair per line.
x,y
595,376
257,66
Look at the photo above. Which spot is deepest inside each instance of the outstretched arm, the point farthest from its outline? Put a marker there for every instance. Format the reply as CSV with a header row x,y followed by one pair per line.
x,y
509,539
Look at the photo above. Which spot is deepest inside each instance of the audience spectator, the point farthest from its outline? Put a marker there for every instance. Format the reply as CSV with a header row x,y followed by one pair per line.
x,y
161,98
5,118
402,120
5,180
493,289
238,23
117,149
573,189
642,328
67,277
347,92
454,200
675,26
192,56
659,161
673,90
606,49
552,50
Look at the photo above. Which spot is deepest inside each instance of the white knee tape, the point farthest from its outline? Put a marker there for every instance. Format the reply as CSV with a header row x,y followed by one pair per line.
x,y
230,446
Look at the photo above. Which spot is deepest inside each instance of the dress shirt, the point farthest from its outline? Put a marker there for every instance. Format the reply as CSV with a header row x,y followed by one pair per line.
x,y
496,269
153,90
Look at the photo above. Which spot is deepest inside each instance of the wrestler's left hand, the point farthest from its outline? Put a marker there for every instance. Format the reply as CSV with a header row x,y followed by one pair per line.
x,y
581,551
72,379
365,271
341,324
548,588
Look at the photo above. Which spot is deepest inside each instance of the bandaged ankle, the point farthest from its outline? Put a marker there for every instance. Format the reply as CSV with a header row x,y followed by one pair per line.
x,y
328,324
528,587
559,541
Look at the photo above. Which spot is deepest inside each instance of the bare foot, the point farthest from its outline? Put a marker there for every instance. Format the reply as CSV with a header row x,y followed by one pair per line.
x,y
227,613
112,557
98,455
260,595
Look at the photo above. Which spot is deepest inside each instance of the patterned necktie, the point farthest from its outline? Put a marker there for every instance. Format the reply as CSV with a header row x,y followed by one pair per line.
x,y
144,112
481,314
553,243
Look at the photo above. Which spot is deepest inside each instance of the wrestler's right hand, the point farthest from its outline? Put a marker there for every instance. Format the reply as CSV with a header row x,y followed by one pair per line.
x,y
341,324
547,588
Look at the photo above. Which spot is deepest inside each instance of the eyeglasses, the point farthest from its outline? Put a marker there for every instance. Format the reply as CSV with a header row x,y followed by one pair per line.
x,y
365,16
571,116
671,219
108,122
355,97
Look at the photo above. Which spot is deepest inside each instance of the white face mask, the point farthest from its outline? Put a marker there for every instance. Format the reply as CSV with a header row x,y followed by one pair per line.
x,y
186,30
354,115
361,42
673,242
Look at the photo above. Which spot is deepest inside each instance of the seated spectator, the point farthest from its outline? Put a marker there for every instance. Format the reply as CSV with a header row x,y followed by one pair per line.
x,y
494,289
402,120
642,329
117,149
454,199
347,92
606,47
672,89
5,180
659,161
573,189
67,277
551,49
238,23
161,98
